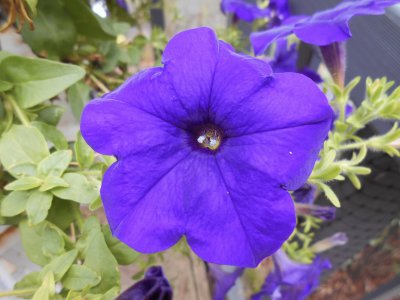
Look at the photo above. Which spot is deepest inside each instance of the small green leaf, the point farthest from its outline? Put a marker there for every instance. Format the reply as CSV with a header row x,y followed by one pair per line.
x,y
38,79
61,264
62,213
330,194
38,206
32,5
53,242
78,95
23,184
51,114
79,190
95,204
80,277
52,134
123,254
5,86
51,182
55,164
47,288
84,154
354,180
24,169
22,145
14,203
31,237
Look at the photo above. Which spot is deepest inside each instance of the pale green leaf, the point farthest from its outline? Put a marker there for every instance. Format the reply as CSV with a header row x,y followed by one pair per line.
x,y
55,164
52,134
46,289
84,154
14,203
5,86
80,277
23,184
79,190
51,182
38,206
22,145
78,95
36,80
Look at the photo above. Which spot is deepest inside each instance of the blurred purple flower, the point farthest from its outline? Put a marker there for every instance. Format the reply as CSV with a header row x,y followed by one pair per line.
x,y
325,213
244,10
322,28
285,60
337,239
154,286
122,4
223,280
206,148
279,11
291,280
305,194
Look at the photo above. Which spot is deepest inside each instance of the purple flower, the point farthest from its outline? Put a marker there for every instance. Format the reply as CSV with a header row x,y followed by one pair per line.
x,y
122,4
323,27
305,194
206,148
223,280
325,213
279,11
338,239
243,10
291,280
153,286
285,60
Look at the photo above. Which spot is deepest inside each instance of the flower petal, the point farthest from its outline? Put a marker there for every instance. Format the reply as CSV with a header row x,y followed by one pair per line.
x,y
229,89
238,217
281,129
142,198
189,61
114,127
262,39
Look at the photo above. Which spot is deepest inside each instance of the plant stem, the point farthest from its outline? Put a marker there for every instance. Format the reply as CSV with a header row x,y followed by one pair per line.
x,y
17,292
18,111
99,84
352,146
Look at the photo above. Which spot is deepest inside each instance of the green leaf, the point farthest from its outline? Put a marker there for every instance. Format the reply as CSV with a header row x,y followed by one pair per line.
x,y
53,241
78,95
95,250
51,114
5,86
47,288
52,134
32,5
23,184
61,264
55,33
22,145
87,23
51,182
4,54
330,194
38,206
79,190
123,254
14,203
62,213
84,154
31,237
32,280
80,277
55,164
38,79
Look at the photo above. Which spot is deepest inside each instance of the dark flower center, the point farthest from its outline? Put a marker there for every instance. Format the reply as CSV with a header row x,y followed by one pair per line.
x,y
208,136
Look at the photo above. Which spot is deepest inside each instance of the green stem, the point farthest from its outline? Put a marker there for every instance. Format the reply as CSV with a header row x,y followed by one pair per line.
x,y
17,292
352,145
99,84
18,111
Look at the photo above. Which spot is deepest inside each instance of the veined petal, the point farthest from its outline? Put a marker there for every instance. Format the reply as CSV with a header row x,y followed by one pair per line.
x,y
114,127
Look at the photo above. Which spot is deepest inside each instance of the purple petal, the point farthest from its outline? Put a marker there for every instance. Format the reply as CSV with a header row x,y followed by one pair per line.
x,y
237,218
281,128
261,40
114,127
142,198
243,10
223,279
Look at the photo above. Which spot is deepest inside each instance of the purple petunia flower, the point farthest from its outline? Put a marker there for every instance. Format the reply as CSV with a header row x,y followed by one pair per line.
x,y
279,11
223,280
305,194
337,239
153,286
322,28
285,60
243,10
291,280
206,148
325,213
122,4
